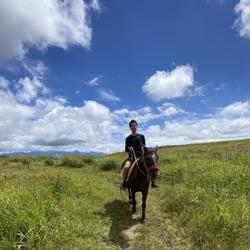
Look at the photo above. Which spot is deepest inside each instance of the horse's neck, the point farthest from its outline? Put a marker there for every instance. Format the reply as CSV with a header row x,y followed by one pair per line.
x,y
142,166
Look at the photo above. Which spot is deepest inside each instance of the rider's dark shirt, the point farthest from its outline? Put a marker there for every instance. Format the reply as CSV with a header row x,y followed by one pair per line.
x,y
135,141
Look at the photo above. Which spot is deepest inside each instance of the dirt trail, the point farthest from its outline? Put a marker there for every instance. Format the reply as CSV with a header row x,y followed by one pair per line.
x,y
132,232
158,233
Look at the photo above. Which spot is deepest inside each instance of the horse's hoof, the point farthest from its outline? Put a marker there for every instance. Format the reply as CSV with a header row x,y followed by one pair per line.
x,y
144,221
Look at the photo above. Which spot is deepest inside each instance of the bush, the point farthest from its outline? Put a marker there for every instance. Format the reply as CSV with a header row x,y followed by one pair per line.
x,y
14,159
60,186
48,161
26,161
88,160
109,165
72,162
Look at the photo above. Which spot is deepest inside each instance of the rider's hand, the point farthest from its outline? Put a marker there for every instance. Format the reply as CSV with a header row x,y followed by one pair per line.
x,y
130,148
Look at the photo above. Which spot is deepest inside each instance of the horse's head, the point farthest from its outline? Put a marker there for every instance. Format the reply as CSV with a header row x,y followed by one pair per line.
x,y
150,158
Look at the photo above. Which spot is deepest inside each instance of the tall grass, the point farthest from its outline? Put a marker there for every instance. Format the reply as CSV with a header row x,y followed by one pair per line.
x,y
73,202
210,197
56,210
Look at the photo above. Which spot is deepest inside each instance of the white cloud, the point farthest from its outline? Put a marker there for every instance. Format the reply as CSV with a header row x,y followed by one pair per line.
x,y
34,68
49,123
142,115
95,81
13,115
230,122
28,89
4,83
96,111
109,95
236,109
67,126
61,99
242,23
220,87
169,109
194,131
198,91
169,84
41,24
95,5
11,109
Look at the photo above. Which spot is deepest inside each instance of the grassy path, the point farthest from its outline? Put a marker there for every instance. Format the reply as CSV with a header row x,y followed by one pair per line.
x,y
61,208
160,232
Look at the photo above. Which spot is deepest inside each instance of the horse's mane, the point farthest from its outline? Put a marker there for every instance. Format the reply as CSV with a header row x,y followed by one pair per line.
x,y
149,150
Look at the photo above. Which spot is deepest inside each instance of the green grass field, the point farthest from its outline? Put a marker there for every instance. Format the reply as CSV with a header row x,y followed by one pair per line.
x,y
74,202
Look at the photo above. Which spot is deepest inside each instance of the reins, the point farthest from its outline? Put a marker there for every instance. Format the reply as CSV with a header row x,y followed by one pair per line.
x,y
144,163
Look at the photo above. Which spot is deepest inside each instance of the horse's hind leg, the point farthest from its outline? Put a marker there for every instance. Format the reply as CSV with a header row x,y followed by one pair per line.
x,y
144,198
133,201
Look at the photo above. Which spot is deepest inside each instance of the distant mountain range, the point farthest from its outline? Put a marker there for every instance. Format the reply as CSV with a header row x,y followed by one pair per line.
x,y
53,153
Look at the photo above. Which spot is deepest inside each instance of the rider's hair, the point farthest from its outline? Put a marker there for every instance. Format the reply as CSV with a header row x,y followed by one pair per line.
x,y
133,121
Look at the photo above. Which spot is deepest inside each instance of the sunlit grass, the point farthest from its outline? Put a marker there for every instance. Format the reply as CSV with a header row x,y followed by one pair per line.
x,y
74,202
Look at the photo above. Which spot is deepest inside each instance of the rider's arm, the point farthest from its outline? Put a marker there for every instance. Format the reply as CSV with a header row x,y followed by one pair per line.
x,y
126,145
143,140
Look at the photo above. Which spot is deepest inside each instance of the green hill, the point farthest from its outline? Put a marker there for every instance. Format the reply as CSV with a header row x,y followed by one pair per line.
x,y
74,202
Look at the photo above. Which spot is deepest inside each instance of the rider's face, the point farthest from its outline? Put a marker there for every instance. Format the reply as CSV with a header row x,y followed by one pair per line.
x,y
133,127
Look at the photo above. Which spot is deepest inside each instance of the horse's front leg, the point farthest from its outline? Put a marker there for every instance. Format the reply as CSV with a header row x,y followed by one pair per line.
x,y
144,199
130,200
133,201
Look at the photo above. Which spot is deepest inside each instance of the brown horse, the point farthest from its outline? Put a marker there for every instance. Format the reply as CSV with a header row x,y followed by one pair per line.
x,y
143,171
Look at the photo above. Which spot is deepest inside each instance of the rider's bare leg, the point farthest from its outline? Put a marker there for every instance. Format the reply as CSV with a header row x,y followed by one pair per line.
x,y
125,171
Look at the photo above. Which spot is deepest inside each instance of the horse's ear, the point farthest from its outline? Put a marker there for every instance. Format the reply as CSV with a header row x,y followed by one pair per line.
x,y
156,148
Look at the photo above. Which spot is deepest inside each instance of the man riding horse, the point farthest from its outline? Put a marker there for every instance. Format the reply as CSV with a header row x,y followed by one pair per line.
x,y
134,146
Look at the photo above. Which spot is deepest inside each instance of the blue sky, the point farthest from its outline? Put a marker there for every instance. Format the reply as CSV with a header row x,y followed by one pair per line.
x,y
73,79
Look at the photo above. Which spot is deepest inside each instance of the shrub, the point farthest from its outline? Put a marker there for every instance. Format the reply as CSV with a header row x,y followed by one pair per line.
x,y
26,161
48,161
14,159
72,162
23,160
109,164
88,160
61,185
